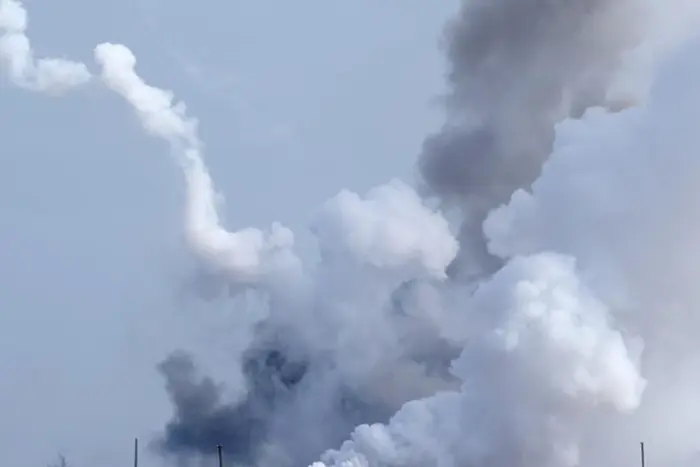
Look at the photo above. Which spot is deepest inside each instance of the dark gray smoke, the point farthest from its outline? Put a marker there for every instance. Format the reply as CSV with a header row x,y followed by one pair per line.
x,y
249,430
291,386
517,67
202,419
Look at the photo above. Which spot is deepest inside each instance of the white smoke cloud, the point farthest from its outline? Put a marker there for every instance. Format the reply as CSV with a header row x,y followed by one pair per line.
x,y
50,75
390,229
546,355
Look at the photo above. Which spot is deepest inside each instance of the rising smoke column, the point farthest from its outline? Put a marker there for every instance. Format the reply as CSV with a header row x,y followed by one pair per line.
x,y
516,68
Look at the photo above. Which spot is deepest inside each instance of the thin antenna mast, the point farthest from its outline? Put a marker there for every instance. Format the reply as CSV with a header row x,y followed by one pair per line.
x,y
136,452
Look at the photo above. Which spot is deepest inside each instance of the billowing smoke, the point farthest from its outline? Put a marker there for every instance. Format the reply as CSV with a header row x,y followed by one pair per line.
x,y
588,331
349,344
323,319
568,332
202,416
246,426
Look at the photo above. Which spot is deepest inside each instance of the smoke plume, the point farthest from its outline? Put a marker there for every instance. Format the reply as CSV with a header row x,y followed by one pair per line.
x,y
516,69
568,330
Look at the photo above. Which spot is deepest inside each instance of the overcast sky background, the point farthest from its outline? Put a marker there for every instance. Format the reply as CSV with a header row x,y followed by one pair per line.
x,y
296,100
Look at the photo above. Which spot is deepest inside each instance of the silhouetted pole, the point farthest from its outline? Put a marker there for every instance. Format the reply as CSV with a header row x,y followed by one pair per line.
x,y
136,452
641,446
221,456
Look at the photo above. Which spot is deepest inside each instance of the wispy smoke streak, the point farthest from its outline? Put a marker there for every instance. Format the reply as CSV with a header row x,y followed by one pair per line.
x,y
245,256
50,75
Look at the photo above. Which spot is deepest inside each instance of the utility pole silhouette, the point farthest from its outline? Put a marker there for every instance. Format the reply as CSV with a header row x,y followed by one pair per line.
x,y
136,452
641,447
219,448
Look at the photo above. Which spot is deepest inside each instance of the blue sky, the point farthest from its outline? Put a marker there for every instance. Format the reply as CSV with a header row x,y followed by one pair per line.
x,y
296,100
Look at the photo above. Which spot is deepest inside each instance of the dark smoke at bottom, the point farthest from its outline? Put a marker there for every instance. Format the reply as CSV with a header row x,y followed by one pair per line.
x,y
203,419
299,402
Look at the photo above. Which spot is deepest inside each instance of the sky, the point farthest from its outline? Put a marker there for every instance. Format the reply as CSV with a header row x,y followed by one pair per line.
x,y
295,100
